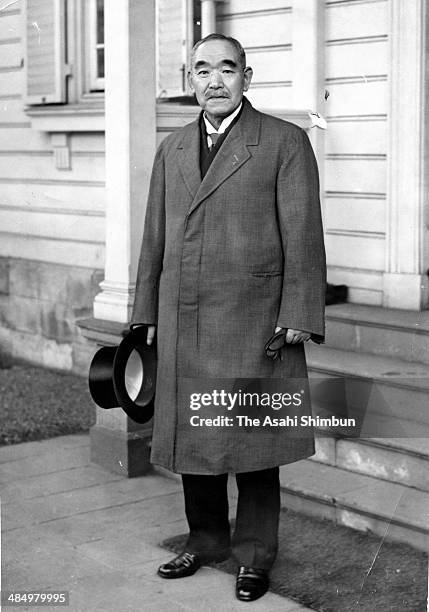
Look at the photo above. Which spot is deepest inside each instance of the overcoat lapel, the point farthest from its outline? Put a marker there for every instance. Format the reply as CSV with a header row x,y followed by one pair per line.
x,y
189,157
231,156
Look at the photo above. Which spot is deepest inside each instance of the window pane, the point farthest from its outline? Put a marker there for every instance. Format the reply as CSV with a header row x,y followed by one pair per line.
x,y
100,21
197,21
100,63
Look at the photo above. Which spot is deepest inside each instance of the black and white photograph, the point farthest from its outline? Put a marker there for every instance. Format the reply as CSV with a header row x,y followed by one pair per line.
x,y
214,305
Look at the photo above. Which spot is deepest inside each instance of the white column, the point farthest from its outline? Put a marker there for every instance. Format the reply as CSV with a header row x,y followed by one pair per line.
x,y
208,17
308,67
308,51
405,283
130,147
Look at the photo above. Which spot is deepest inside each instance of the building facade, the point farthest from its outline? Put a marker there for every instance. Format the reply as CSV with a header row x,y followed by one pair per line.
x,y
89,88
359,63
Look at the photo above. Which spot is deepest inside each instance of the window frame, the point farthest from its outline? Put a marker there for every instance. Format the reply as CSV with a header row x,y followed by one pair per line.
x,y
94,83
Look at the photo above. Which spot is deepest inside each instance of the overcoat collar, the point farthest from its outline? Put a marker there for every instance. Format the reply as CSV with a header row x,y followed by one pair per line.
x,y
232,155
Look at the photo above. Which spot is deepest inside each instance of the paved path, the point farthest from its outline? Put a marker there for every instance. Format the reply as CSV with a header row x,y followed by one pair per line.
x,y
70,525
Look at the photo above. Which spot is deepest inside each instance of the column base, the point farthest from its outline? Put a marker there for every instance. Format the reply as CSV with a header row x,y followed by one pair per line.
x,y
115,302
405,291
125,453
118,444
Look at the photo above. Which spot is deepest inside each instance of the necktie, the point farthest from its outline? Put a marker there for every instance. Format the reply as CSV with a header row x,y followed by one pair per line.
x,y
214,138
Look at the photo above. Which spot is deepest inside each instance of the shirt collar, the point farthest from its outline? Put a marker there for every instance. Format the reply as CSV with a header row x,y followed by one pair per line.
x,y
225,122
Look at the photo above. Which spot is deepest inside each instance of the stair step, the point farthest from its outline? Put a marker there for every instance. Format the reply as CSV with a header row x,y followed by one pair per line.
x,y
379,458
391,510
389,396
381,331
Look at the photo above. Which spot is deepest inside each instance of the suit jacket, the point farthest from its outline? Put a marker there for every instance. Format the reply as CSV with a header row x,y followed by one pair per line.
x,y
223,261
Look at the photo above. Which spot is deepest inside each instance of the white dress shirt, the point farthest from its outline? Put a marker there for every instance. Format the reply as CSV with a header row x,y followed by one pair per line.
x,y
223,126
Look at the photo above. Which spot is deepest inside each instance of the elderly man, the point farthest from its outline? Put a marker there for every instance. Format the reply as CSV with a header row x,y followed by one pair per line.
x,y
232,252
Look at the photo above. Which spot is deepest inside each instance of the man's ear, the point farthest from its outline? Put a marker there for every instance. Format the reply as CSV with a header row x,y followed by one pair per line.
x,y
248,73
191,87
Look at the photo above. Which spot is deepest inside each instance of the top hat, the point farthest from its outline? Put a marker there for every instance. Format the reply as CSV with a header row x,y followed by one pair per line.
x,y
125,375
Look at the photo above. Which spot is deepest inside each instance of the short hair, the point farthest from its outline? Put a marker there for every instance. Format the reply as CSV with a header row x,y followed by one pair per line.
x,y
233,41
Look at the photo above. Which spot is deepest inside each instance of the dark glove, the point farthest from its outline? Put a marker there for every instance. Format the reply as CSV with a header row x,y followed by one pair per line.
x,y
273,348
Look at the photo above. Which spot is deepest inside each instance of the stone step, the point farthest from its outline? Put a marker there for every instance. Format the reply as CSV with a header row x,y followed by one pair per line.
x,y
399,392
391,510
382,331
389,397
386,459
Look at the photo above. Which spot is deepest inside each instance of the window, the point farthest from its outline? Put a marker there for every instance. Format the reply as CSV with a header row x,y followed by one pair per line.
x,y
178,27
64,57
96,45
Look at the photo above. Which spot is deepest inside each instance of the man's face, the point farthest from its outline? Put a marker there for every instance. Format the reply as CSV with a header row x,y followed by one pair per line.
x,y
218,79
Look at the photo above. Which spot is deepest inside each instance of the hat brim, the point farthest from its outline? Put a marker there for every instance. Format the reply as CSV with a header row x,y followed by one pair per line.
x,y
100,378
139,405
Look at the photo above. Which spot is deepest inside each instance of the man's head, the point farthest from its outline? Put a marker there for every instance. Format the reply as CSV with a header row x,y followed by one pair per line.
x,y
219,75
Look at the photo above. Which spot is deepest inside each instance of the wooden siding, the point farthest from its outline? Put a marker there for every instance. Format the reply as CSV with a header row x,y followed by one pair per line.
x,y
46,214
42,207
266,34
355,172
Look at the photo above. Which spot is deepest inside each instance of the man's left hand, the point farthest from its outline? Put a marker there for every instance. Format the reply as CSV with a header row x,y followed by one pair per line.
x,y
293,336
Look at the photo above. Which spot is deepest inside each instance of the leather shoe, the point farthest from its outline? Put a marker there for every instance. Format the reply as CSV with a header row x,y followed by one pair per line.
x,y
183,565
251,583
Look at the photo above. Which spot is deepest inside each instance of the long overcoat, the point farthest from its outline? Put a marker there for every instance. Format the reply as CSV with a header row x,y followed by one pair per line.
x,y
225,260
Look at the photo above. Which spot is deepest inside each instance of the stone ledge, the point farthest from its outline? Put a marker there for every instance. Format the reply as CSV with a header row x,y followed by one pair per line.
x,y
100,331
391,510
376,316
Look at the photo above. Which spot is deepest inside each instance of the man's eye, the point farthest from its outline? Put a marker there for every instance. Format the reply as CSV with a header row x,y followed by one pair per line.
x,y
227,70
202,72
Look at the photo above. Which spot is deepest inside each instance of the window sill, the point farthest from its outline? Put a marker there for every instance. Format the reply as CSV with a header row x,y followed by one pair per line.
x,y
83,117
89,116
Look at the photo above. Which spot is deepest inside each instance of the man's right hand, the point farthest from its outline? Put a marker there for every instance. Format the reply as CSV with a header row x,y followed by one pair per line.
x,y
150,334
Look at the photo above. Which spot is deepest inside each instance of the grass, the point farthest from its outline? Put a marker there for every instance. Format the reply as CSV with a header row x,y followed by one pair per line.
x,y
332,568
37,403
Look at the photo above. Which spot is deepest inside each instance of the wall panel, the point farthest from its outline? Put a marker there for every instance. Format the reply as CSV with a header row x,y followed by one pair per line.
x,y
243,6
270,64
52,194
10,53
358,59
51,224
71,253
361,97
355,19
265,98
355,175
42,167
259,29
10,24
355,251
356,137
362,215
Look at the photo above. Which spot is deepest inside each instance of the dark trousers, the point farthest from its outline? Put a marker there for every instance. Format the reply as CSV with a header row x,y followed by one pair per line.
x,y
254,542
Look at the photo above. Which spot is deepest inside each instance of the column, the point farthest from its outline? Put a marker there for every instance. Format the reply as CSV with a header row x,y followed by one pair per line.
x,y
130,147
208,17
118,443
308,64
405,282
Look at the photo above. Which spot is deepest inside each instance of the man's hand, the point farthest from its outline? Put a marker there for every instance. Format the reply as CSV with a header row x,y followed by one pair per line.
x,y
293,336
150,334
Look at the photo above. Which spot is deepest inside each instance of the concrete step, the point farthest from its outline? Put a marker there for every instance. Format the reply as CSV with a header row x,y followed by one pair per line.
x,y
391,510
382,331
385,459
394,397
388,397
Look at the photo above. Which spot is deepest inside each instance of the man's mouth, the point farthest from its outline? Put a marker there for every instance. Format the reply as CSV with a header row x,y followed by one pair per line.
x,y
216,97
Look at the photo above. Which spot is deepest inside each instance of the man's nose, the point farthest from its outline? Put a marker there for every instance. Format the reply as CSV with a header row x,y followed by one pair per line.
x,y
216,80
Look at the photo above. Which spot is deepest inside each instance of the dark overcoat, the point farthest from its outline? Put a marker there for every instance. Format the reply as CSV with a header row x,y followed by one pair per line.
x,y
224,261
